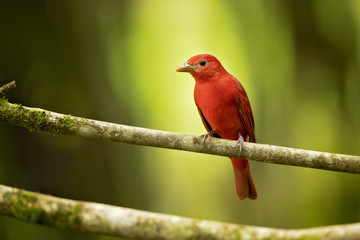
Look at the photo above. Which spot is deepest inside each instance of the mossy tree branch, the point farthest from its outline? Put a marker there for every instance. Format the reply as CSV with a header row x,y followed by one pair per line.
x,y
124,222
40,120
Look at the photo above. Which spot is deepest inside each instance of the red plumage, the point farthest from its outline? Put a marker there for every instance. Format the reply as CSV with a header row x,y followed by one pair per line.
x,y
224,106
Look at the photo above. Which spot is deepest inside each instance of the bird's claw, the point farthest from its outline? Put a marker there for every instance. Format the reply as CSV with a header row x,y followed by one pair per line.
x,y
209,134
241,142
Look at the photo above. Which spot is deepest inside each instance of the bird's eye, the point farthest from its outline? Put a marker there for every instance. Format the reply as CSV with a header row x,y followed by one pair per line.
x,y
203,62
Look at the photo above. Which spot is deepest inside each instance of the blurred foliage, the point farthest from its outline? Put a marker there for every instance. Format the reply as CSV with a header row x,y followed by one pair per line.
x,y
115,61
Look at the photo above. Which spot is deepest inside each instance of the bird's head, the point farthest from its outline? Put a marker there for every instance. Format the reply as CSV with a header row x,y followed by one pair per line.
x,y
202,67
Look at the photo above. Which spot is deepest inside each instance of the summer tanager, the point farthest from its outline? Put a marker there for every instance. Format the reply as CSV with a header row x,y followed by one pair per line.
x,y
225,112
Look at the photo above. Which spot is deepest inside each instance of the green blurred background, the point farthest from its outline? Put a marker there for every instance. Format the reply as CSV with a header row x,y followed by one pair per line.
x,y
115,61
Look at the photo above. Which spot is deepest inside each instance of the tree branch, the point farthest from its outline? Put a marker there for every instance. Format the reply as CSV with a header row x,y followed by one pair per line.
x,y
124,222
40,120
7,87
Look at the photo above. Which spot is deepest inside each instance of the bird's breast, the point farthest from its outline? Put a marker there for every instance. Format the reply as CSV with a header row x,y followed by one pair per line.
x,y
219,109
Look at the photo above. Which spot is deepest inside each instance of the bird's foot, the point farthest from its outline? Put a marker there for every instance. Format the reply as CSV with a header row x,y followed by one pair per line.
x,y
209,134
240,141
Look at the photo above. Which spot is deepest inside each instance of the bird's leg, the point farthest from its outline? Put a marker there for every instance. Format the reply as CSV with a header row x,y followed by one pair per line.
x,y
209,134
240,141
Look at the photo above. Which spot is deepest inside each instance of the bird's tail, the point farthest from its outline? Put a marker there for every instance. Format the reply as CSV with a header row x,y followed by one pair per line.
x,y
243,182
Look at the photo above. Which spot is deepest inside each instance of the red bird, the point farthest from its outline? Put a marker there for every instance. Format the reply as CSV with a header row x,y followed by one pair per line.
x,y
225,112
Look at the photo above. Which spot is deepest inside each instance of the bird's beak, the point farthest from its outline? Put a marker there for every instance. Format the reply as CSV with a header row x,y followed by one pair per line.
x,y
186,67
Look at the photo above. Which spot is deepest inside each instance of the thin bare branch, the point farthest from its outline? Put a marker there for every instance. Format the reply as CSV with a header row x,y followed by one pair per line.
x,y
7,87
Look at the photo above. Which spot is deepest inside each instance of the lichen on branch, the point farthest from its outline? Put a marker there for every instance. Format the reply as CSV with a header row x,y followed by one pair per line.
x,y
129,223
40,120
135,224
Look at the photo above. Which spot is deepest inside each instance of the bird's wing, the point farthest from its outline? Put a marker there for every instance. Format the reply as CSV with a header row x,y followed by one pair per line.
x,y
207,125
246,116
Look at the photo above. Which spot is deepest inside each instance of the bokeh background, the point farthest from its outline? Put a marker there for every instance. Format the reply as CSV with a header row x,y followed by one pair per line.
x,y
115,61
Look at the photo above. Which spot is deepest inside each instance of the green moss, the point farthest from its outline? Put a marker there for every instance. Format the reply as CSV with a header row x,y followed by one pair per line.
x,y
67,122
7,110
36,120
16,114
65,216
18,205
26,206
3,99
